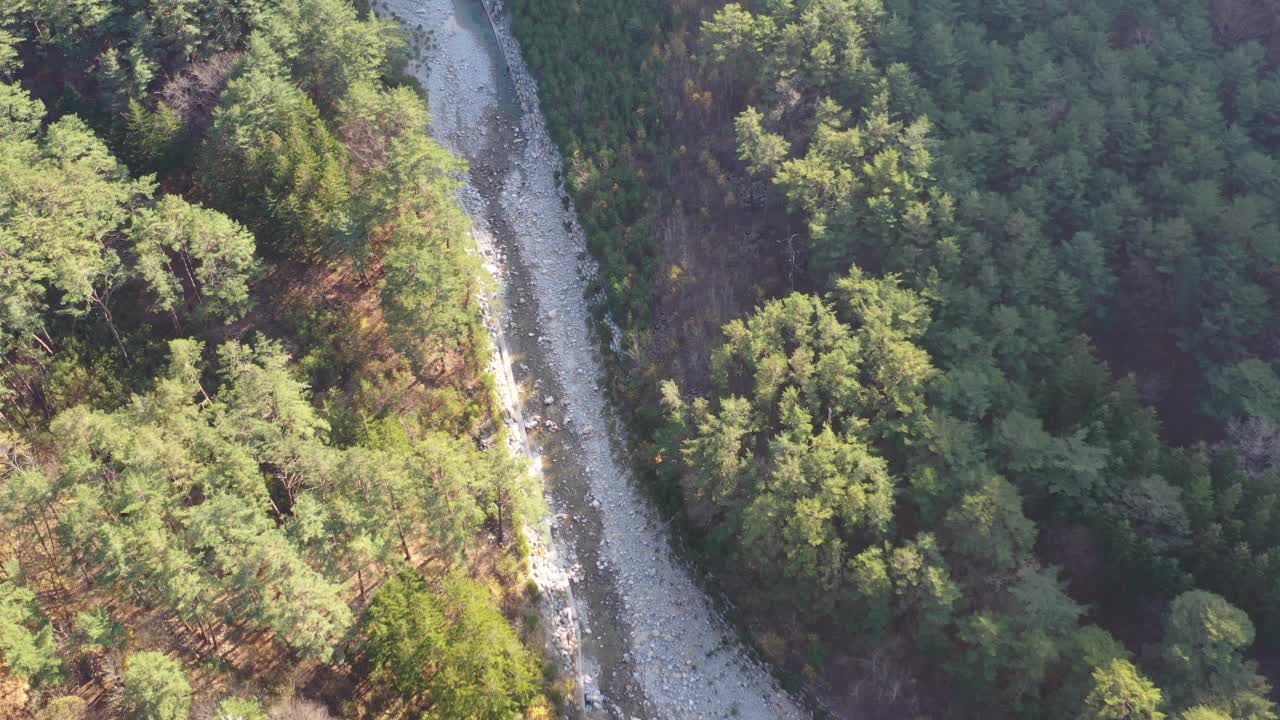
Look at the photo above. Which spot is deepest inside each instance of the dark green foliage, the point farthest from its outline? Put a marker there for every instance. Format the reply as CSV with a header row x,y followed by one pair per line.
x,y
155,688
1248,389
103,56
449,649
407,629
925,594
870,601
154,138
431,282
794,472
597,91
1083,194
327,47
271,162
1088,649
1204,643
1007,653
988,531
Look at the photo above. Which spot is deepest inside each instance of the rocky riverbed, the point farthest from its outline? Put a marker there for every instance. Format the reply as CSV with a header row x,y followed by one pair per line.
x,y
622,612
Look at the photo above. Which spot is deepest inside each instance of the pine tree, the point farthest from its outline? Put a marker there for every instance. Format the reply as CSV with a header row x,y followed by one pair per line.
x,y
155,687
183,249
26,637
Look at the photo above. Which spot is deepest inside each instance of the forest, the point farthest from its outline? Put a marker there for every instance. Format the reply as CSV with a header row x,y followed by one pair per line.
x,y
251,460
949,329
946,331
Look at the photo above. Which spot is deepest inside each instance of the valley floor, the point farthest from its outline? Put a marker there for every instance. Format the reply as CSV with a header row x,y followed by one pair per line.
x,y
629,615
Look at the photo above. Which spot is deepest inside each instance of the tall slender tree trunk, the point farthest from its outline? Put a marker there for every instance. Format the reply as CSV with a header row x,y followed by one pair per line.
x,y
195,287
502,536
106,315
404,544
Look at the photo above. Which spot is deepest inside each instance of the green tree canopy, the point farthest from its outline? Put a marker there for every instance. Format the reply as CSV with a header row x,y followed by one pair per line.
x,y
26,637
66,201
1204,643
1120,692
155,687
449,649
272,163
183,248
327,47
988,530
165,500
238,708
76,229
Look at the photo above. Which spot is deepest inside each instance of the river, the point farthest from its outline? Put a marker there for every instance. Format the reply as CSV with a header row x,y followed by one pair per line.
x,y
621,609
